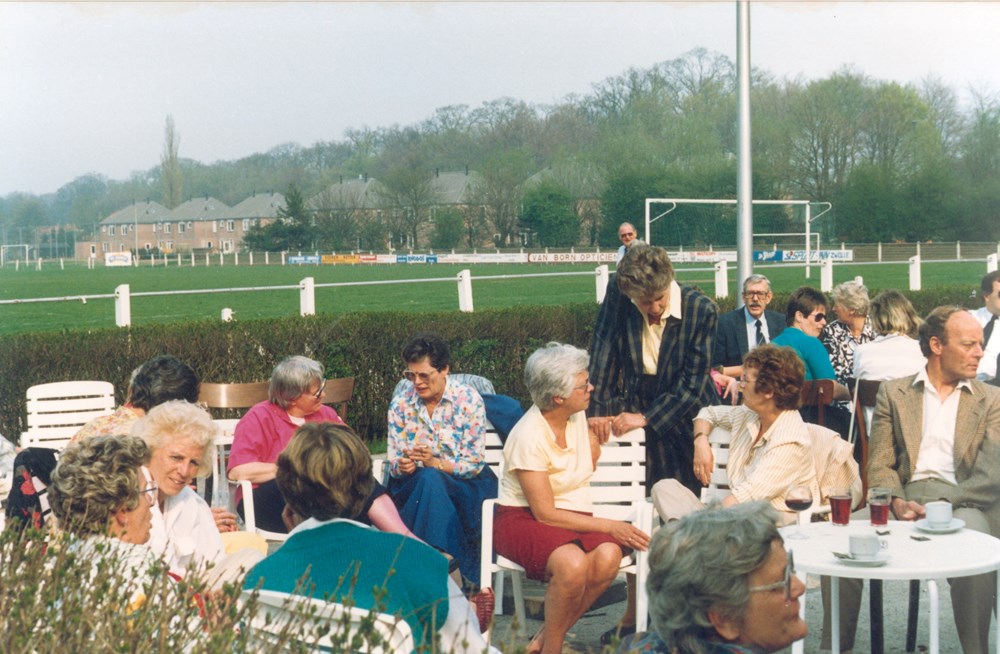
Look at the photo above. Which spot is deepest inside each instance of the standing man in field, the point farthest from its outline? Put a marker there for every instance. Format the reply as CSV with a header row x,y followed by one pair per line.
x,y
626,234
650,356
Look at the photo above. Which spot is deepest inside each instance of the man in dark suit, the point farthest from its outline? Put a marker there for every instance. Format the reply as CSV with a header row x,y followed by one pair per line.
x,y
953,458
649,362
744,329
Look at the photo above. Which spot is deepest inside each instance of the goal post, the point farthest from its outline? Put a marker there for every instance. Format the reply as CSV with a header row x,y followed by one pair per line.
x,y
5,248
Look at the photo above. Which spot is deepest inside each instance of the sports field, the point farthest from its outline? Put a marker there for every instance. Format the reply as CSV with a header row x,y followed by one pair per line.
x,y
390,295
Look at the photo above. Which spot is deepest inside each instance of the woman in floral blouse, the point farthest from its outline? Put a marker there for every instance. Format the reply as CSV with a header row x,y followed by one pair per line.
x,y
437,441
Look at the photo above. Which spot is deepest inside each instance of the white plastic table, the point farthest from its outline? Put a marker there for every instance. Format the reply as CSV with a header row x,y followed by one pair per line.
x,y
960,554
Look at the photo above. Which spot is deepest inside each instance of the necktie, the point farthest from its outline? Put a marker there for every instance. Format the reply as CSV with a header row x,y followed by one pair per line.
x,y
760,333
988,331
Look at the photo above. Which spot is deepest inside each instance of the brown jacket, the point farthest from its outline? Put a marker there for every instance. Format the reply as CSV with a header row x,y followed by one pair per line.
x,y
897,426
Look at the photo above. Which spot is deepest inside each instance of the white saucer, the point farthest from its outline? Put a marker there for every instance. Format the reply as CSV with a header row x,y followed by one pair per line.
x,y
955,525
880,559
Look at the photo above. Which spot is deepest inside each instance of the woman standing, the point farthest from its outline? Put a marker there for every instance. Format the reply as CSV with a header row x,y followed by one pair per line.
x,y
436,453
543,519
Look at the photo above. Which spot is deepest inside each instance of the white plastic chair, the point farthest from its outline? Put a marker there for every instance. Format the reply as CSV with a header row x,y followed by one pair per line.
x,y
299,621
58,410
619,493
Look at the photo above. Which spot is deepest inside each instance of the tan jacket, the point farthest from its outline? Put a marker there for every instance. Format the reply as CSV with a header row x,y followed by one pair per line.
x,y
897,426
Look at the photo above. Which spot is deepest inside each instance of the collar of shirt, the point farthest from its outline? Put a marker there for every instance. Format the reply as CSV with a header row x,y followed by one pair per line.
x,y
312,523
447,396
926,381
673,310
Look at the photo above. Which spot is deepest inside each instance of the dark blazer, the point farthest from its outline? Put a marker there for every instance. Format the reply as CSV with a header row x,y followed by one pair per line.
x,y
897,426
731,343
682,387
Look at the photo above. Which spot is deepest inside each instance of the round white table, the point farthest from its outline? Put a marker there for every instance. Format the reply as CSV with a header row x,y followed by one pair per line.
x,y
960,554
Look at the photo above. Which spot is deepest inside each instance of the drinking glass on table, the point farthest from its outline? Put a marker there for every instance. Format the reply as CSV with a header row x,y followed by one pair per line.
x,y
798,498
878,505
840,506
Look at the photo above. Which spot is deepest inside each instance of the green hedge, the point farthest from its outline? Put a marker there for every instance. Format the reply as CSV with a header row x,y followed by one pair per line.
x,y
492,343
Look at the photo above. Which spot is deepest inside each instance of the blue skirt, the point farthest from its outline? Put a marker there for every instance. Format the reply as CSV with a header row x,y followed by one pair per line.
x,y
446,511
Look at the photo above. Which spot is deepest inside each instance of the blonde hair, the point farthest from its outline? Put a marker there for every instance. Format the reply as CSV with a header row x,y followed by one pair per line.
x,y
180,421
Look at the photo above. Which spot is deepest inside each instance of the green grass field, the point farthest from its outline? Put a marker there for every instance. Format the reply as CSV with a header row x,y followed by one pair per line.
x,y
77,280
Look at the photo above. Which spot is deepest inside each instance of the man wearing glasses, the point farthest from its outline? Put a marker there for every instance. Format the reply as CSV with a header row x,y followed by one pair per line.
x,y
627,235
988,316
743,329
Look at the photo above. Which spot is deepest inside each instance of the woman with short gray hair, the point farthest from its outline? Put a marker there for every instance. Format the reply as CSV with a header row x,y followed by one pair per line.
x,y
295,397
720,581
851,328
544,518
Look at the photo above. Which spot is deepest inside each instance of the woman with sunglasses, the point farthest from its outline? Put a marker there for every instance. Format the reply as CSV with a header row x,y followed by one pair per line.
x,y
295,397
805,317
721,582
103,496
437,441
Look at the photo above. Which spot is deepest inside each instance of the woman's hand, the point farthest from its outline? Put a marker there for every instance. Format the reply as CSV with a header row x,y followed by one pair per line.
x,y
224,520
730,388
601,427
406,466
704,460
626,422
421,454
628,535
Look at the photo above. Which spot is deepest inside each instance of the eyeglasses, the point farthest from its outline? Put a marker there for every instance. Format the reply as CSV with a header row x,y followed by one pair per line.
x,y
819,317
409,375
151,488
582,387
747,380
756,294
785,583
624,234
322,387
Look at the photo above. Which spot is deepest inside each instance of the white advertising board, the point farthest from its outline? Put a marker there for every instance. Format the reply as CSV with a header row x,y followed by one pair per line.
x,y
117,259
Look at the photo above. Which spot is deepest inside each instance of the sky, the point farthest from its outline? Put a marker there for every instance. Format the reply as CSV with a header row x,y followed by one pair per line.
x,y
86,87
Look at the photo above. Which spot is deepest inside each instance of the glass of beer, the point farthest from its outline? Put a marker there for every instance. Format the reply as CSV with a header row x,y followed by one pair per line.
x,y
840,506
878,505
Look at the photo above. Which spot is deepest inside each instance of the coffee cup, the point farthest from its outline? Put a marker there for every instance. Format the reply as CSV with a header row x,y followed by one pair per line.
x,y
938,514
866,546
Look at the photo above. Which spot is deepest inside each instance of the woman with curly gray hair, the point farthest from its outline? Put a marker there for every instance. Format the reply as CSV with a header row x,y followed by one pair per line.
x,y
103,495
544,519
721,582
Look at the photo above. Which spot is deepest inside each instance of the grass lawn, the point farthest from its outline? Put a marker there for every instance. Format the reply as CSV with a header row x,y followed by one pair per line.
x,y
77,280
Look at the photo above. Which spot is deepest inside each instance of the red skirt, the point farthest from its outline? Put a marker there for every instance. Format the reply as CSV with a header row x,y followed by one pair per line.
x,y
529,543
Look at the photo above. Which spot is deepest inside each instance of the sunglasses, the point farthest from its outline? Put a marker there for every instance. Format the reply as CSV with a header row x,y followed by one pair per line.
x,y
785,583
819,317
623,235
411,376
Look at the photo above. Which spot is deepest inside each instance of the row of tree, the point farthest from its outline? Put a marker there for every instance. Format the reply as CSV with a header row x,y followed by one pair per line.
x,y
897,162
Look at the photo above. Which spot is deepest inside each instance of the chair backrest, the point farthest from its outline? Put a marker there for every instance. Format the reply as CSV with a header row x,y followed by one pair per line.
x,y
308,624
718,485
865,392
620,478
58,410
818,393
339,392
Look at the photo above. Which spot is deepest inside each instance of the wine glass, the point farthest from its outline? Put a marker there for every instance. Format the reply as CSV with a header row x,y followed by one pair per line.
x,y
798,498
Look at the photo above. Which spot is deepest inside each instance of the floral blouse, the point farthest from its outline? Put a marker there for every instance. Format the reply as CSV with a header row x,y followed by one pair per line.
x,y
456,432
840,343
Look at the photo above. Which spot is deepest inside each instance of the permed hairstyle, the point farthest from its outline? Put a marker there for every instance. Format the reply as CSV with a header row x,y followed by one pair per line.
x,y
780,371
644,271
427,345
291,378
325,472
701,563
96,478
551,371
177,421
852,296
161,379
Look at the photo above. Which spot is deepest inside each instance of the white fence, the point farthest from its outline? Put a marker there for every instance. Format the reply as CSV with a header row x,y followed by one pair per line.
x,y
307,286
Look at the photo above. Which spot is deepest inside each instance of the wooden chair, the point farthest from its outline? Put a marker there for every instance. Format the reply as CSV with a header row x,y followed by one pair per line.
x,y
619,485
818,393
338,393
296,623
865,392
58,410
226,400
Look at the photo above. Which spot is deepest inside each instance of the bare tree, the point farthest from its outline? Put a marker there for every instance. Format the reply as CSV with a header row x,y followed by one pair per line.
x,y
173,180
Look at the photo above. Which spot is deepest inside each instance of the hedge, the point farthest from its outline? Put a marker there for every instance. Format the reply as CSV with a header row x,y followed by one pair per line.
x,y
492,343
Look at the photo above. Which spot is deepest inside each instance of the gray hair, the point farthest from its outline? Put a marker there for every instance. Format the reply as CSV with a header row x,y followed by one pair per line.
x,y
96,478
755,278
853,296
701,563
179,421
291,378
551,372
